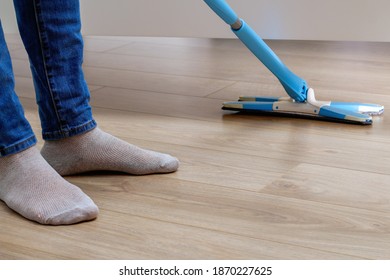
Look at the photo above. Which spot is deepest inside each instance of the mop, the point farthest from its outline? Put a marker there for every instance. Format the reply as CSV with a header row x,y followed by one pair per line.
x,y
301,100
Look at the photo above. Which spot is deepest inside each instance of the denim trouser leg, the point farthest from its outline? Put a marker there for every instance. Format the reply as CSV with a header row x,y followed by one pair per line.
x,y
15,131
50,30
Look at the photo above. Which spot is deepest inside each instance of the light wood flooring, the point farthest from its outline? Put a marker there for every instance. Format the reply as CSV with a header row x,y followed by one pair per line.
x,y
249,187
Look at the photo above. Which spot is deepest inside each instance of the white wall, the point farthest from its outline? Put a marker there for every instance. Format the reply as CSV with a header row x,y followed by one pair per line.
x,y
364,20
7,16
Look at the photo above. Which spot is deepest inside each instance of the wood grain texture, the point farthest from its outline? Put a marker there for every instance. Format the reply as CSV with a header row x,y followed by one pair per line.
x,y
249,187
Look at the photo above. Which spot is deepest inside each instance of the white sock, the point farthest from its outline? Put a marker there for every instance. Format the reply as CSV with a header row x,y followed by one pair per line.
x,y
97,150
32,188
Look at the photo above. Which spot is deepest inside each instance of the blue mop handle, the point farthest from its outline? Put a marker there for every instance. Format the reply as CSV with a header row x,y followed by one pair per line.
x,y
295,86
223,10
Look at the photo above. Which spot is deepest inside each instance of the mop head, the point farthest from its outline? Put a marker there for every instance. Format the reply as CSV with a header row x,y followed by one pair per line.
x,y
357,113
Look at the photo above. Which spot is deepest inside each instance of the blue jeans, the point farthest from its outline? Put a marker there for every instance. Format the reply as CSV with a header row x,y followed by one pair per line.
x,y
50,31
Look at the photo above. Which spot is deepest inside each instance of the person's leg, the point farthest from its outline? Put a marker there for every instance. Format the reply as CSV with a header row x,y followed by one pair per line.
x,y
28,184
15,131
51,33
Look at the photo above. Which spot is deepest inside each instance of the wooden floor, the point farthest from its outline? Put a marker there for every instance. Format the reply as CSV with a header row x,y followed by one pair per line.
x,y
249,187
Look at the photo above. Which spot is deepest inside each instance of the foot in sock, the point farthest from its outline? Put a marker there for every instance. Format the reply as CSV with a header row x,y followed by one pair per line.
x,y
96,150
32,188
